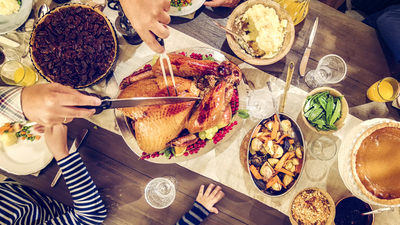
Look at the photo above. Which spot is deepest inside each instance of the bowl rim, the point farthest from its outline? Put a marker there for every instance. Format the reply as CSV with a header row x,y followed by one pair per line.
x,y
246,57
369,205
332,205
304,156
345,108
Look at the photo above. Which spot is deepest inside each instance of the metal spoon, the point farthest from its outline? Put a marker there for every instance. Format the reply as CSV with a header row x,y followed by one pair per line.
x,y
43,10
246,45
378,211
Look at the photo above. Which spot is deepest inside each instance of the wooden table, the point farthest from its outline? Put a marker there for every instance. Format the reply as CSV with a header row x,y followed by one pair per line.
x,y
121,178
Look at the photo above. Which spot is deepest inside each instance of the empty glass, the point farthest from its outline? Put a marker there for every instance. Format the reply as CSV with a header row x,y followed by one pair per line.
x,y
322,148
160,192
7,55
331,69
260,104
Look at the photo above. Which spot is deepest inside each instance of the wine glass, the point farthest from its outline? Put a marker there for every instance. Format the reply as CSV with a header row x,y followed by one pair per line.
x,y
160,192
331,69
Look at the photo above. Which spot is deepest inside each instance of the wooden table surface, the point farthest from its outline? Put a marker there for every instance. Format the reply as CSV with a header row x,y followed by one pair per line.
x,y
121,177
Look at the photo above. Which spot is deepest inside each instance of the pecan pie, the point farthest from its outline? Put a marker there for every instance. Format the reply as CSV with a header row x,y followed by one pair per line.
x,y
74,45
375,163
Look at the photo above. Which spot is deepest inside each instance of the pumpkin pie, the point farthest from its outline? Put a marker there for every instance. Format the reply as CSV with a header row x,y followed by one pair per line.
x,y
375,163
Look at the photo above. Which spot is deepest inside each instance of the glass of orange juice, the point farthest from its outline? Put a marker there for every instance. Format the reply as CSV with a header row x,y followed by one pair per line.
x,y
385,90
15,73
297,9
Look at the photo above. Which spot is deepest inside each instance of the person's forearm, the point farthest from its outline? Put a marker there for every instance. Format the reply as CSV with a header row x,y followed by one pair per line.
x,y
10,104
195,216
87,202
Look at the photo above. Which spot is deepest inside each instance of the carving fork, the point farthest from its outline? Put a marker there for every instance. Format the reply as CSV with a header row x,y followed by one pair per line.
x,y
162,57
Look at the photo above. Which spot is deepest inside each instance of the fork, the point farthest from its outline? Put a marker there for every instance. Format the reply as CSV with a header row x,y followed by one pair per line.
x,y
162,57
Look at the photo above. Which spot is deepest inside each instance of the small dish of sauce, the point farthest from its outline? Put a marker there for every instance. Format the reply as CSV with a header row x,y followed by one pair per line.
x,y
348,212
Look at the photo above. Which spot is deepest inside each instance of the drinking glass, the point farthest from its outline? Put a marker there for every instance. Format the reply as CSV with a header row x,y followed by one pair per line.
x,y
331,69
298,10
7,55
160,192
15,73
385,90
322,148
260,104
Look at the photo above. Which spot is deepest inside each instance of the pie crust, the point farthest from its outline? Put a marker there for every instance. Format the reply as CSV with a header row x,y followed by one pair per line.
x,y
81,79
375,168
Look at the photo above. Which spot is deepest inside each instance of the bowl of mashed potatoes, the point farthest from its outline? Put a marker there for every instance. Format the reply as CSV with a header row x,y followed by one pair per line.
x,y
267,31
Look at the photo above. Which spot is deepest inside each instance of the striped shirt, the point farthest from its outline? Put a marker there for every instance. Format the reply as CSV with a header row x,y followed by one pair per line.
x,y
23,205
10,103
195,216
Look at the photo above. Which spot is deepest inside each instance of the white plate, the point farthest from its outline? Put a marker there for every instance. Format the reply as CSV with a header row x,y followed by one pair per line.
x,y
11,22
131,141
344,157
25,157
196,4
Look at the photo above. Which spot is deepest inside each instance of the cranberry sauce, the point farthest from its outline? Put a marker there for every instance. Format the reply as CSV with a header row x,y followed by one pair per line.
x,y
348,211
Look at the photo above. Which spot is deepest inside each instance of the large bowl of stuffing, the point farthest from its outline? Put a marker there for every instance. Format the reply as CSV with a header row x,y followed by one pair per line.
x,y
266,29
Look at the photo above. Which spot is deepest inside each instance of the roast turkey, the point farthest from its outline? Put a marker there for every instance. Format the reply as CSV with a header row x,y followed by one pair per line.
x,y
156,126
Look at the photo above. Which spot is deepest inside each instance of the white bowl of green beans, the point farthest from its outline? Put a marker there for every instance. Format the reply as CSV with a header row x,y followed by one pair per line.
x,y
324,110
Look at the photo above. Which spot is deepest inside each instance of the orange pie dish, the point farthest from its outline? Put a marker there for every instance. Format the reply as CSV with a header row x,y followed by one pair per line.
x,y
375,163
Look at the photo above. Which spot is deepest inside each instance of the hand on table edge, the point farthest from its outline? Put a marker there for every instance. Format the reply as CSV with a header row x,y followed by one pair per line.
x,y
149,18
51,104
210,197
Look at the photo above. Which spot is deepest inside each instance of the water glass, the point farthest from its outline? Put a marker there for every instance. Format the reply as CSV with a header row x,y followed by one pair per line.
x,y
260,104
322,148
7,55
160,192
385,90
15,73
331,69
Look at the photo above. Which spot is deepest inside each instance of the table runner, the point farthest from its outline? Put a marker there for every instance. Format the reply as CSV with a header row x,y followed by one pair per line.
x,y
223,164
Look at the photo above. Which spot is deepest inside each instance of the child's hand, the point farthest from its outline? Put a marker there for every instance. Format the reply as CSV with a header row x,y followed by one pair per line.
x,y
210,197
56,140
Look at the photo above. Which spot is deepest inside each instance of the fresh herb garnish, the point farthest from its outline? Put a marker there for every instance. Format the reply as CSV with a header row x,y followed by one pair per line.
x,y
243,113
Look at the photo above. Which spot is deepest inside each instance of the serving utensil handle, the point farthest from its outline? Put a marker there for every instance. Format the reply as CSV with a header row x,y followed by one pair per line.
x,y
103,106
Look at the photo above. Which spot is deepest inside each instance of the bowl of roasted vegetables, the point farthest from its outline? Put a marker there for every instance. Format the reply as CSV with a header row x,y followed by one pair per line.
x,y
276,155
324,110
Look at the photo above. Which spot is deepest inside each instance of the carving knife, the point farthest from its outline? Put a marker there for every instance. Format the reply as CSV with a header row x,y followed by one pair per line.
x,y
306,55
77,142
137,102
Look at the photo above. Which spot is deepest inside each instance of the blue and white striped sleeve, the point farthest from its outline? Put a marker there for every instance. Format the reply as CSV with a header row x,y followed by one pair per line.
x,y
195,216
88,206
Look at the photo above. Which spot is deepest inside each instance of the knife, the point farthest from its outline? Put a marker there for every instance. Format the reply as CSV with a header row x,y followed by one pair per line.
x,y
77,142
306,55
137,102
